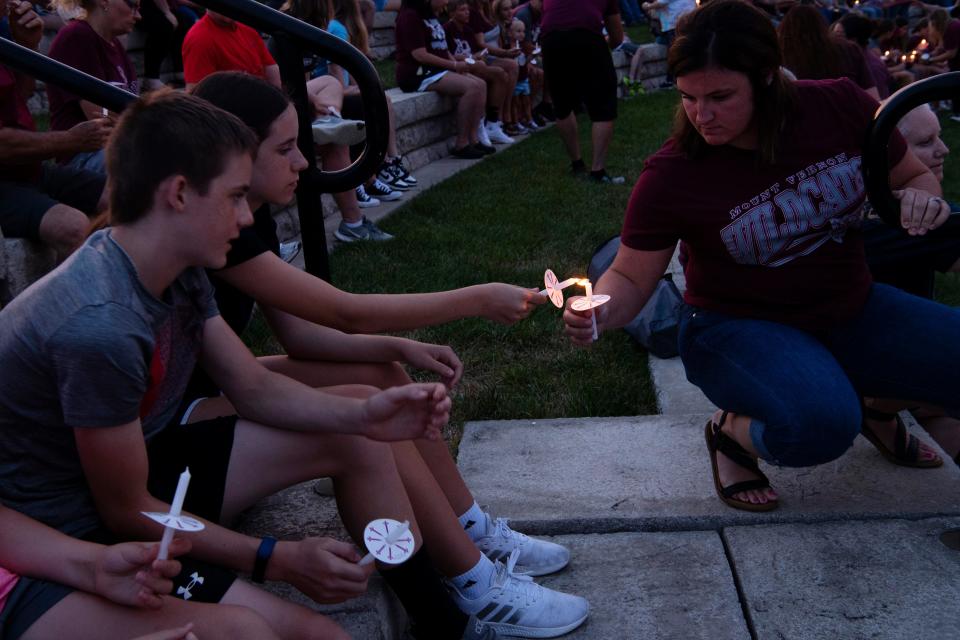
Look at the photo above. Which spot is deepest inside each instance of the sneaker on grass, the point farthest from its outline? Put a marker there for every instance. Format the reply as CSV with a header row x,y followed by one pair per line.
x,y
516,606
365,200
498,541
332,129
366,231
381,191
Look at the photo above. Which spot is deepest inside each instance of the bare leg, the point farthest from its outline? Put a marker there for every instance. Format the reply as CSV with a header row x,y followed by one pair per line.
x,y
886,430
337,157
82,616
497,82
601,134
63,228
568,133
472,94
513,72
435,454
325,91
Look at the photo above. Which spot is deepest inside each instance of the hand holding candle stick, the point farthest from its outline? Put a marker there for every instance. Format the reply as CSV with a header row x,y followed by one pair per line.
x,y
388,541
590,301
173,521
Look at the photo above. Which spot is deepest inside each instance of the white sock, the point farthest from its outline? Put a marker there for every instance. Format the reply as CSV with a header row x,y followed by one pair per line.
x,y
475,582
474,522
354,225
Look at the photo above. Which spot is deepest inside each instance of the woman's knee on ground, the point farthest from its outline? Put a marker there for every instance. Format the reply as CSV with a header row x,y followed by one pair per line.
x,y
310,625
234,622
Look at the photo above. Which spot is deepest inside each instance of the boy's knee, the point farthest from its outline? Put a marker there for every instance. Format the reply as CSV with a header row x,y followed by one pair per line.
x,y
309,625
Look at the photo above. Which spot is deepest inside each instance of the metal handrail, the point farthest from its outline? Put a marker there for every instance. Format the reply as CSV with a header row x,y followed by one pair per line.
x,y
876,168
304,37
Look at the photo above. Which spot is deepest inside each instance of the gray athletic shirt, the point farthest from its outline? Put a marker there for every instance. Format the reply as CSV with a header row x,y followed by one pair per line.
x,y
87,346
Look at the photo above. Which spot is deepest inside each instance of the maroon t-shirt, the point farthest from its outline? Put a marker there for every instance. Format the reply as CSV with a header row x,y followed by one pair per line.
x,y
15,115
461,41
414,32
853,64
780,242
79,46
951,40
478,23
561,15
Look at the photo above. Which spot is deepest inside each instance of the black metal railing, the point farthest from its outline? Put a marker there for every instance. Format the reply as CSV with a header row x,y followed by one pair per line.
x,y
876,168
303,37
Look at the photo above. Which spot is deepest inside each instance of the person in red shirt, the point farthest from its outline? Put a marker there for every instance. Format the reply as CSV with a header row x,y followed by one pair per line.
x,y
783,327
39,201
218,43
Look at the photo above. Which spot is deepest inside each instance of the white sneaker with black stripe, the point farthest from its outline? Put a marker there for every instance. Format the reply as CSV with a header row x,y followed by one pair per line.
x,y
497,541
377,189
516,606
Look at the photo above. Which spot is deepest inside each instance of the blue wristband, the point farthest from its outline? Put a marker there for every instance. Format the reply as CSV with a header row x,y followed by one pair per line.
x,y
263,556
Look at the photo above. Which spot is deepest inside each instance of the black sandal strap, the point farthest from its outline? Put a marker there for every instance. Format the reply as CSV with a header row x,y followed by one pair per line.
x,y
905,446
729,447
746,485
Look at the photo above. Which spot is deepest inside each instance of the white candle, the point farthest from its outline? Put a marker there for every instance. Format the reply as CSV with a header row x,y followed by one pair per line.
x,y
175,508
593,314
562,285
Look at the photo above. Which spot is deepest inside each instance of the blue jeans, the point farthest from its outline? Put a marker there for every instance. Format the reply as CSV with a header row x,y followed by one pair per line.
x,y
802,390
630,9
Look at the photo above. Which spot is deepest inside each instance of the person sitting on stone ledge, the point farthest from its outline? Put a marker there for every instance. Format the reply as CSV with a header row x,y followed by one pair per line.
x,y
462,43
99,354
91,44
424,63
784,328
42,201
297,305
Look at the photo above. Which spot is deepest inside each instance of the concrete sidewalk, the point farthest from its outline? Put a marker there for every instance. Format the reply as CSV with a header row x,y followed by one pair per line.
x,y
853,551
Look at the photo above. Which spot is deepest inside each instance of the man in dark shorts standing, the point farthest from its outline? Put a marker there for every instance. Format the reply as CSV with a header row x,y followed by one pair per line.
x,y
38,201
579,69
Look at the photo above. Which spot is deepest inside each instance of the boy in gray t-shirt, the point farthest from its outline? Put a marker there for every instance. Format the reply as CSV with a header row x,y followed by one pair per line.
x,y
95,358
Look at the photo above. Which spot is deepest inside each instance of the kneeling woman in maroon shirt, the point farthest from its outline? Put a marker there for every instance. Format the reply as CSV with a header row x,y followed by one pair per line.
x,y
783,327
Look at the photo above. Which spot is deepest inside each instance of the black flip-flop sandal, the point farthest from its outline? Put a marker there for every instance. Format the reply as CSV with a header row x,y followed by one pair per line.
x,y
717,440
906,453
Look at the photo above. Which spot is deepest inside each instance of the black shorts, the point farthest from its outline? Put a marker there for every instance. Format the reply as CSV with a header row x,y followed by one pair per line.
x,y
908,262
205,447
23,205
27,603
578,68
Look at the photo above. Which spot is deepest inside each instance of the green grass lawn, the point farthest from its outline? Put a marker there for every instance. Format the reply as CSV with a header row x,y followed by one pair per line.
x,y
508,219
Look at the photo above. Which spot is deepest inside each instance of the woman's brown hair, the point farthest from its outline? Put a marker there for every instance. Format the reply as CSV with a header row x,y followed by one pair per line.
x,y
808,49
318,13
733,35
348,12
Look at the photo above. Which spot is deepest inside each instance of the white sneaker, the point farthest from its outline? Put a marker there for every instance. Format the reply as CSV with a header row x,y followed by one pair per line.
x,y
332,129
482,134
495,133
517,606
535,557
365,200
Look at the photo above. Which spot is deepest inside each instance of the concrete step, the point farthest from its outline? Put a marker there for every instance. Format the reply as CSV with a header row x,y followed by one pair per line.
x,y
887,580
655,586
652,473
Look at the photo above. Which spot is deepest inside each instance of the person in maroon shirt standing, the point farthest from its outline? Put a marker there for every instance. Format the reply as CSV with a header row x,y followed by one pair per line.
x,y
783,327
579,69
945,36
41,201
